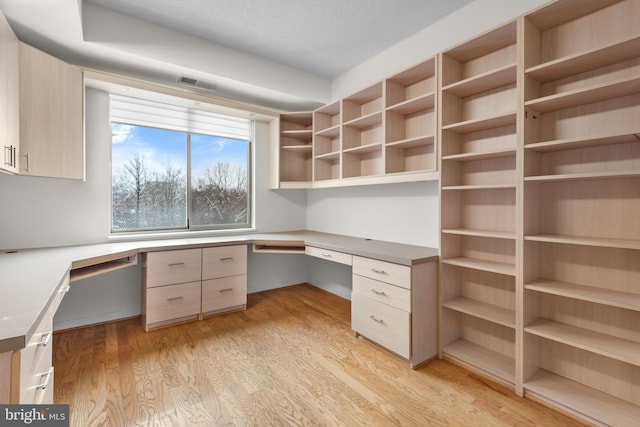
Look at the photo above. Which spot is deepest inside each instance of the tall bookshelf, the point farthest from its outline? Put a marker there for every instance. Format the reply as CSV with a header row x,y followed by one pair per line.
x,y
581,276
478,113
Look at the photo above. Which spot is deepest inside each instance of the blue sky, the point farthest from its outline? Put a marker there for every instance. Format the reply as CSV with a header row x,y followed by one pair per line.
x,y
161,147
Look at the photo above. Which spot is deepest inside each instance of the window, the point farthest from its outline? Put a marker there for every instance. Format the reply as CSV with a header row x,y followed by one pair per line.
x,y
175,168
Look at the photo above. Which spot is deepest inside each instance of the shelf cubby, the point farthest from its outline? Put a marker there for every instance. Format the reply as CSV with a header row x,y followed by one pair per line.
x,y
414,84
363,105
296,135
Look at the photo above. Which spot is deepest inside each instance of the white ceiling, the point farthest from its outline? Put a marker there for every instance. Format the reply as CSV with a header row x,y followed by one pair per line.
x,y
325,37
298,46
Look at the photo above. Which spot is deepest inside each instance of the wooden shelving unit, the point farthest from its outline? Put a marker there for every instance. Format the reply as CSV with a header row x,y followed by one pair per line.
x,y
581,193
296,135
327,143
478,113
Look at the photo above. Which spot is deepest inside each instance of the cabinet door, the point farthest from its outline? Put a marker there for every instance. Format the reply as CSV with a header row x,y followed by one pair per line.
x,y
51,116
9,126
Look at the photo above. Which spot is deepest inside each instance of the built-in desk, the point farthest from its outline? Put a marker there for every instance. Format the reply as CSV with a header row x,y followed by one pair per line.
x,y
34,280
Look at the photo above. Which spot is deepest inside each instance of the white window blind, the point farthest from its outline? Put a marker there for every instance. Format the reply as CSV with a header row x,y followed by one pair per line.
x,y
142,112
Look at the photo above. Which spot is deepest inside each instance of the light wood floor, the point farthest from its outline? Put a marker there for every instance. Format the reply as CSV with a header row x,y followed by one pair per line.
x,y
289,359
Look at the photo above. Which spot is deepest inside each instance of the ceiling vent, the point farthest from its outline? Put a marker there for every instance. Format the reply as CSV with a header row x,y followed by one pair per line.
x,y
196,84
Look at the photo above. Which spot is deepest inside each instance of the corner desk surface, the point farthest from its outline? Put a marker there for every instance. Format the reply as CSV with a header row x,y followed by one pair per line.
x,y
31,277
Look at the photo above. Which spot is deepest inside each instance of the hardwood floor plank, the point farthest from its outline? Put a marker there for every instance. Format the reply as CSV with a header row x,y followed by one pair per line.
x,y
290,359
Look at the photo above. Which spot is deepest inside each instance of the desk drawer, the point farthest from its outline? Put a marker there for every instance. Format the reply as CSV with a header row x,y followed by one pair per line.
x,y
386,325
224,261
173,302
171,267
221,294
383,292
396,274
334,256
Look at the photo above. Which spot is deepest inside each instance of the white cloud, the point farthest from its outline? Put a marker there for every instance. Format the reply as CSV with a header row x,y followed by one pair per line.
x,y
121,133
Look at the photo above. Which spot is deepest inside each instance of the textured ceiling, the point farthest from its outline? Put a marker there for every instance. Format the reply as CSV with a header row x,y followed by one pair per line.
x,y
324,37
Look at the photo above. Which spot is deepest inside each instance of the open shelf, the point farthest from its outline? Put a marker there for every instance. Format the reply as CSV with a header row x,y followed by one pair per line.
x,y
625,300
585,241
481,233
483,123
478,187
489,80
585,142
482,310
466,157
482,265
422,102
572,396
617,51
587,95
584,176
365,121
481,358
595,342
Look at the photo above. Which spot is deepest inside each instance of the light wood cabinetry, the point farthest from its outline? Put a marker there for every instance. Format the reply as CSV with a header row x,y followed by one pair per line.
x,y
479,192
540,191
295,150
381,134
581,307
224,279
182,285
9,98
29,372
51,116
172,287
396,307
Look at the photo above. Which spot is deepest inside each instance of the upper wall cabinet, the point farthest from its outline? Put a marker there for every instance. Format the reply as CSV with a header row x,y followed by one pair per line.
x,y
8,98
384,133
51,116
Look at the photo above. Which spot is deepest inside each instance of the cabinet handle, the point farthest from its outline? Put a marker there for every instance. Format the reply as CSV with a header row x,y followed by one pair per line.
x,y
377,292
175,299
66,289
375,319
46,377
28,166
176,264
375,270
225,290
226,259
14,150
326,255
7,149
46,339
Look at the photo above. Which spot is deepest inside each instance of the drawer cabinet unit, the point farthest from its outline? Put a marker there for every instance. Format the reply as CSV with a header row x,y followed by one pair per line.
x,y
186,284
224,279
30,379
395,306
172,287
339,257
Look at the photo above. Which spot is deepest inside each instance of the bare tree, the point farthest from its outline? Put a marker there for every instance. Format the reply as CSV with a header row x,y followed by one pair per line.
x,y
129,188
220,195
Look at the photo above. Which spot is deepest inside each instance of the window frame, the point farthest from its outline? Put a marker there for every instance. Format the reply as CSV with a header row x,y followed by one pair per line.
x,y
190,229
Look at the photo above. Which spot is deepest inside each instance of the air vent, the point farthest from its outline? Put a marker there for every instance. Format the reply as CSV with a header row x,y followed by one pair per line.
x,y
197,84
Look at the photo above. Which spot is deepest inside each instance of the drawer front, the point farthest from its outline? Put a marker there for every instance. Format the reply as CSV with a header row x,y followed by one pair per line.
x,y
227,292
334,256
396,274
381,323
224,261
171,267
172,302
380,291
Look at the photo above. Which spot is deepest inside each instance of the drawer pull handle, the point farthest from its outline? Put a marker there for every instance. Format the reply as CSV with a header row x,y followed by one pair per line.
x,y
46,377
46,339
176,264
326,255
375,319
175,299
377,292
226,290
227,259
66,289
375,270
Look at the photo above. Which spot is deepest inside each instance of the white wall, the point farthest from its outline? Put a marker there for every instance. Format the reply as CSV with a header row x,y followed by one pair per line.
x,y
53,212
